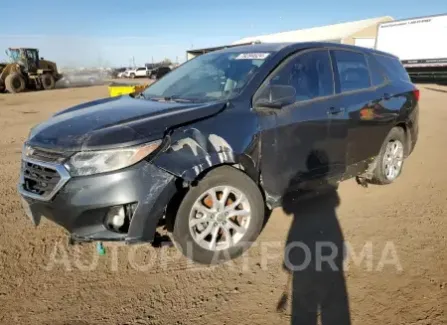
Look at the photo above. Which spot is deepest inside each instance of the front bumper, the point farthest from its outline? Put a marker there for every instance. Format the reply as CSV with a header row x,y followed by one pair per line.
x,y
81,204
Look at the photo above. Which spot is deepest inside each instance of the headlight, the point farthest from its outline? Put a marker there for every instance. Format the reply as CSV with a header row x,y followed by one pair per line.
x,y
94,162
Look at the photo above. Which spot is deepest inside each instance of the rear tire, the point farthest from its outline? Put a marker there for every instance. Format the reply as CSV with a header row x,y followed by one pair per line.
x,y
241,223
132,75
391,158
15,83
48,81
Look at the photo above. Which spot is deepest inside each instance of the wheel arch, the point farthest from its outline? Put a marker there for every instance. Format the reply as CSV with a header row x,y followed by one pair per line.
x,y
408,140
188,180
196,149
241,162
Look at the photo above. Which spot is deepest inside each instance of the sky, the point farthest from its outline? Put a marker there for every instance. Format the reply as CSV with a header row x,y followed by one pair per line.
x,y
118,33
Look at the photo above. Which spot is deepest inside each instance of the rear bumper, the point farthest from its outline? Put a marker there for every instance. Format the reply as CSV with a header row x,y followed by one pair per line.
x,y
82,203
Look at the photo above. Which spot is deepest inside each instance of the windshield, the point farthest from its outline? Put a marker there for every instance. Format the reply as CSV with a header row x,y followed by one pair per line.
x,y
14,55
209,77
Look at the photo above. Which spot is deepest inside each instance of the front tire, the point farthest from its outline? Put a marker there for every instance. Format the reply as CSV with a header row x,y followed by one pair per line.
x,y
219,218
48,81
391,158
14,83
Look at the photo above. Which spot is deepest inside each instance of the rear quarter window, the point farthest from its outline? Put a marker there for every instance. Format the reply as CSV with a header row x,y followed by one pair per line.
x,y
393,68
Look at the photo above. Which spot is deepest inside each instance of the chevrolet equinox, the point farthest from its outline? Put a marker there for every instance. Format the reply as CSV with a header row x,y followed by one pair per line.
x,y
214,144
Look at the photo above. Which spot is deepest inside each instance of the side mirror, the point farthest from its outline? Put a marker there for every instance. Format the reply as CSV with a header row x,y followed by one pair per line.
x,y
276,96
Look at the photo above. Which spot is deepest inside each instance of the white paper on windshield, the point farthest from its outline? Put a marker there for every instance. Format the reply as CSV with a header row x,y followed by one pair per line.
x,y
252,56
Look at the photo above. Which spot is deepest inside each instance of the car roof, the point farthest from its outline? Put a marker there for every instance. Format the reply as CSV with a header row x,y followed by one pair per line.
x,y
289,47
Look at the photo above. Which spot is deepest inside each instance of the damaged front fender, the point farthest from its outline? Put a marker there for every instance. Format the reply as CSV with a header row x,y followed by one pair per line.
x,y
223,139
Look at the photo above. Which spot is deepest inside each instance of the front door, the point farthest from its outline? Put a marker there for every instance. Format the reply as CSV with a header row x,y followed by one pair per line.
x,y
32,60
303,145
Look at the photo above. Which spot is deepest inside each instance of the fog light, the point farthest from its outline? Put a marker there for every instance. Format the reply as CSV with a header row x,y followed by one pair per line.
x,y
116,217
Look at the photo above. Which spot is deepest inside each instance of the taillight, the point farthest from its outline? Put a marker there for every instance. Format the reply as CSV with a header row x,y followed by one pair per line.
x,y
416,94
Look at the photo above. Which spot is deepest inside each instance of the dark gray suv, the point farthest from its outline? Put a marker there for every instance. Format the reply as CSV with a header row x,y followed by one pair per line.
x,y
210,147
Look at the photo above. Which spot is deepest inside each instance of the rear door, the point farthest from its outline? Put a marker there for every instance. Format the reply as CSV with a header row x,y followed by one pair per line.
x,y
300,147
362,88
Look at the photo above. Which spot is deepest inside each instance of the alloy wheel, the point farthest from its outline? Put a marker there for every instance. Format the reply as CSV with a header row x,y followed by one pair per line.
x,y
219,218
393,159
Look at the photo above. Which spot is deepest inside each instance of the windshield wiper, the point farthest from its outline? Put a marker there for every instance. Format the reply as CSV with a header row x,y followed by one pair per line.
x,y
140,95
182,100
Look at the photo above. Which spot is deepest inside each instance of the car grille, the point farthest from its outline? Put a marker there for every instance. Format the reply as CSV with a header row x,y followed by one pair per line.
x,y
42,173
38,179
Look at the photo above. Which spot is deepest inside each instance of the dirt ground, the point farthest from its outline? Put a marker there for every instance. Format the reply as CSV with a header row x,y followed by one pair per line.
x,y
400,228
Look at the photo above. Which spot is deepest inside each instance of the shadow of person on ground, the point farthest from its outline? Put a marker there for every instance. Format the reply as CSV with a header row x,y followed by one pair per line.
x,y
314,254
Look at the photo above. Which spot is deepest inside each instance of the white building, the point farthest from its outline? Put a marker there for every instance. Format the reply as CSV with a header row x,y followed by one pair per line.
x,y
360,33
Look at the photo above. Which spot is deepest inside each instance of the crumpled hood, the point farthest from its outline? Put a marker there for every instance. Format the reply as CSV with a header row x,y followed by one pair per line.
x,y
115,122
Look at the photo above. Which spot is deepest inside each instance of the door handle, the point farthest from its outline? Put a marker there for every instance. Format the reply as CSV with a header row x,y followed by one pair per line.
x,y
335,110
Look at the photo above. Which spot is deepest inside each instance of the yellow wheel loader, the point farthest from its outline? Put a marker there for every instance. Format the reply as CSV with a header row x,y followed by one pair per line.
x,y
27,71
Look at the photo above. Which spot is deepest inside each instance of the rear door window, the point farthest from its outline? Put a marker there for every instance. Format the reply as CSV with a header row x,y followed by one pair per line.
x,y
309,73
352,70
393,68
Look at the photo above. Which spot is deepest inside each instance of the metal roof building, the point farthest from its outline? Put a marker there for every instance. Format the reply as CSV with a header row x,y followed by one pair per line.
x,y
196,52
346,33
360,33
